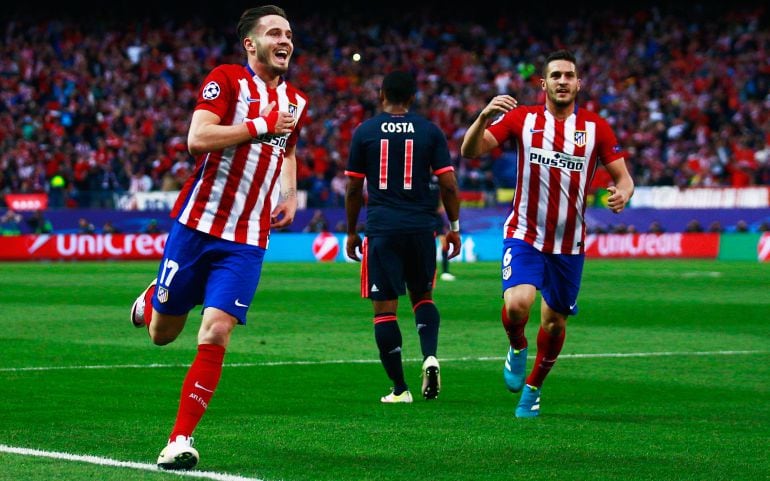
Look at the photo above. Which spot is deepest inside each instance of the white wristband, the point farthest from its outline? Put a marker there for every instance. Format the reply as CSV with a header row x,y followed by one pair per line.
x,y
454,225
260,127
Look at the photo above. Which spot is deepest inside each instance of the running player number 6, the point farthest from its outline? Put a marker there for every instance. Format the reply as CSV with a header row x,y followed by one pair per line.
x,y
408,152
507,257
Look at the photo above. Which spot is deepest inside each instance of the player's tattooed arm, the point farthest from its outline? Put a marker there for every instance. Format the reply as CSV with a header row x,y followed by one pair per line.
x,y
283,214
289,193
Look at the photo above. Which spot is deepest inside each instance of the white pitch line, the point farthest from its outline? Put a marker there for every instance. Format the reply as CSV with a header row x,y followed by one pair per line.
x,y
121,464
600,355
376,361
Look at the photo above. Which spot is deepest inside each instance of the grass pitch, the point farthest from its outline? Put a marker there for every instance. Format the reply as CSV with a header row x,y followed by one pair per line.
x,y
664,376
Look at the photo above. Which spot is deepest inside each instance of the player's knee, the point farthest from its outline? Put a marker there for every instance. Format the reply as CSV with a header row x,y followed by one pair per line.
x,y
161,338
518,308
416,299
554,325
518,301
164,329
216,331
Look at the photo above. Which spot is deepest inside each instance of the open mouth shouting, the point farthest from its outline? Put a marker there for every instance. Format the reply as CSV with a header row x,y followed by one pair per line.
x,y
282,55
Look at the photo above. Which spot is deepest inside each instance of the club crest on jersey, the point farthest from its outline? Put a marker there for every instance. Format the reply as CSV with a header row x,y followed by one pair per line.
x,y
580,138
293,110
162,295
506,273
211,91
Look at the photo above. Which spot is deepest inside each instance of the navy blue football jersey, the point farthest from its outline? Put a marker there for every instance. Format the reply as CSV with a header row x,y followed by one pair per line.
x,y
398,154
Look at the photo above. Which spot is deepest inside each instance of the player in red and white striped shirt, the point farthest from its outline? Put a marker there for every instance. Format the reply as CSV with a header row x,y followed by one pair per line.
x,y
559,148
243,134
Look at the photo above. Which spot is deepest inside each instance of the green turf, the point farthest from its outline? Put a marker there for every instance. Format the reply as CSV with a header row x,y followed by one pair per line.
x,y
679,416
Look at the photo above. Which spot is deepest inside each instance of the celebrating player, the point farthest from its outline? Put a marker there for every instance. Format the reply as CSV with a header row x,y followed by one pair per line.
x,y
243,133
397,152
559,147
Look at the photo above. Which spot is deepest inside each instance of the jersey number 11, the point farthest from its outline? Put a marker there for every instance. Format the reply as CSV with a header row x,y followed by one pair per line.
x,y
408,150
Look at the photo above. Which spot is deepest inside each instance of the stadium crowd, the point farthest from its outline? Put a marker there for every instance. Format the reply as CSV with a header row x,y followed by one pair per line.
x,y
91,108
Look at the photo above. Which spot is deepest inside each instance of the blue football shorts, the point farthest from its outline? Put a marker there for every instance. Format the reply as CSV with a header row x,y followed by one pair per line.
x,y
556,276
199,269
391,262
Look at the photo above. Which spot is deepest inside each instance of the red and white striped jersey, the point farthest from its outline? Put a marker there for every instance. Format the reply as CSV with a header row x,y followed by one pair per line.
x,y
233,191
556,163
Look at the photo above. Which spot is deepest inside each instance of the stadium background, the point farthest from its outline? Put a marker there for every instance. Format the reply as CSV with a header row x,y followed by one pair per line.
x,y
664,375
96,102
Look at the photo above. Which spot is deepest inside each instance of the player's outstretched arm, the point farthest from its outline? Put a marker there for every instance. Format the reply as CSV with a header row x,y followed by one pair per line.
x,y
477,141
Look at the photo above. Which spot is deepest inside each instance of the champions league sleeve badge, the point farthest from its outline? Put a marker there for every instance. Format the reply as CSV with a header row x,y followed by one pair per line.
x,y
211,91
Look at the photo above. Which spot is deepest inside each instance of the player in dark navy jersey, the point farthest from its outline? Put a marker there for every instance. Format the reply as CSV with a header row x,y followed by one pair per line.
x,y
397,152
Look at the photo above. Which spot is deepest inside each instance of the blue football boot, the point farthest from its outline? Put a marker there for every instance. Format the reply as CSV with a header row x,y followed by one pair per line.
x,y
529,404
513,371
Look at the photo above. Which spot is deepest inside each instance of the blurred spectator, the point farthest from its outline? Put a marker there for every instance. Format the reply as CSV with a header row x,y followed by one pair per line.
x,y
106,184
655,228
715,227
318,195
10,223
318,223
153,227
489,188
176,176
741,226
92,107
620,229
140,181
109,228
56,191
764,226
339,185
39,224
85,227
694,226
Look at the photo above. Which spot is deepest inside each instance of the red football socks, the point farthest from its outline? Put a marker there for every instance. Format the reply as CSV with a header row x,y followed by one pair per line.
x,y
198,387
148,305
515,330
548,349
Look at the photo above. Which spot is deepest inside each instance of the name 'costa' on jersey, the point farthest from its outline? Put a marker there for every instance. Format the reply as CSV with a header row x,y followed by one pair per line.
x,y
398,154
556,162
233,191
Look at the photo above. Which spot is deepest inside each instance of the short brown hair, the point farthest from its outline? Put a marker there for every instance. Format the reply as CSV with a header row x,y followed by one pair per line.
x,y
559,55
250,17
